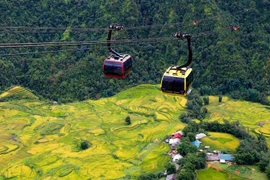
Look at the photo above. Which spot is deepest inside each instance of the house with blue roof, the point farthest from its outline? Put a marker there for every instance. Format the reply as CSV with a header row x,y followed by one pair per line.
x,y
219,157
196,143
226,157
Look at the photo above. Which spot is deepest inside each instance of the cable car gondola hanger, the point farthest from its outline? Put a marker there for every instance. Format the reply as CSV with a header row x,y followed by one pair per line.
x,y
178,79
116,65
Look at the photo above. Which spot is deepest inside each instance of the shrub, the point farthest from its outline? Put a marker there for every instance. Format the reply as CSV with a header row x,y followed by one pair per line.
x,y
128,120
84,145
206,100
219,98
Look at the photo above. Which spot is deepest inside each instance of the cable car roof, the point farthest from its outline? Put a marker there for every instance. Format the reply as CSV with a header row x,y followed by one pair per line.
x,y
113,57
173,72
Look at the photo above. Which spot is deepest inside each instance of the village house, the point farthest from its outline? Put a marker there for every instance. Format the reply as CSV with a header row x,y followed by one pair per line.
x,y
222,158
175,158
196,143
174,143
200,136
171,177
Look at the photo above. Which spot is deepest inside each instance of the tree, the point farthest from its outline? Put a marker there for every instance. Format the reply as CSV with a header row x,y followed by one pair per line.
x,y
191,136
219,98
84,145
128,120
170,167
184,118
268,171
181,162
204,111
186,147
186,174
206,100
202,155
7,74
198,162
262,143
263,164
264,161
191,127
151,176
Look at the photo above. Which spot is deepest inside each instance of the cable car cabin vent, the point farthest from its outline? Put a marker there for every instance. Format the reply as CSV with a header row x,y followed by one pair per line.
x,y
183,72
118,58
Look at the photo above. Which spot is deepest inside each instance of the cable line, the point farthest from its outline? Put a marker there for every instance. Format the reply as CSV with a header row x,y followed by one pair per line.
x,y
80,43
73,49
106,29
51,28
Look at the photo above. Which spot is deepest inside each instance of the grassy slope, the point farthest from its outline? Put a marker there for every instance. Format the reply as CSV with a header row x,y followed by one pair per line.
x,y
233,172
221,141
41,140
248,113
18,92
211,174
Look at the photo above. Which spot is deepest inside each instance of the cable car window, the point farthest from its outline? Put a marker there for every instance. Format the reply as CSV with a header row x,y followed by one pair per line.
x,y
128,63
112,68
173,84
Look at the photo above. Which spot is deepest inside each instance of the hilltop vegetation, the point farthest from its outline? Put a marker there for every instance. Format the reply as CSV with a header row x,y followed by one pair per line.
x,y
17,92
224,61
41,140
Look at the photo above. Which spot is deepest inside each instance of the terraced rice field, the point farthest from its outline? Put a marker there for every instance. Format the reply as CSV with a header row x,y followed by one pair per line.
x,y
20,92
255,116
221,141
40,140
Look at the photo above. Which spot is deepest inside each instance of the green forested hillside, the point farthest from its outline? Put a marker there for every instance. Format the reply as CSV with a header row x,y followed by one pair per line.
x,y
225,61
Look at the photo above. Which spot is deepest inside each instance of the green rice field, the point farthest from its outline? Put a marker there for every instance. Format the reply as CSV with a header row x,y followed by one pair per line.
x,y
40,140
221,141
240,172
230,172
254,116
212,174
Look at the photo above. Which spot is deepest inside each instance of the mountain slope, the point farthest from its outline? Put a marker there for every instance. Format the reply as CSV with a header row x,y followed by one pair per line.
x,y
225,61
40,140
19,93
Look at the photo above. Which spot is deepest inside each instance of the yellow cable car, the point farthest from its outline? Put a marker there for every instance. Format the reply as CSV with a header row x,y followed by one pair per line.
x,y
178,79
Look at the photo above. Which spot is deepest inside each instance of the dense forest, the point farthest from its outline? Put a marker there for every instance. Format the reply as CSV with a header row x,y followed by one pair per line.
x,y
225,61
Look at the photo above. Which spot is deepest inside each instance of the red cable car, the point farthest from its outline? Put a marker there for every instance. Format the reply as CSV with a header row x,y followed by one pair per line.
x,y
116,65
